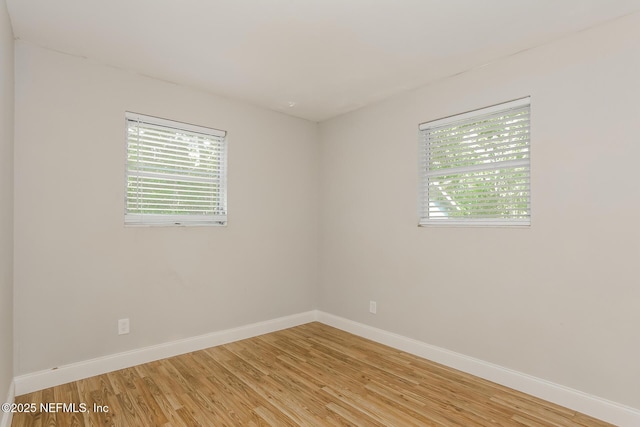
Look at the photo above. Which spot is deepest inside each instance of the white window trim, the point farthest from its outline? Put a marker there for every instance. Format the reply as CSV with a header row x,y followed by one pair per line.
x,y
424,173
174,124
151,220
516,103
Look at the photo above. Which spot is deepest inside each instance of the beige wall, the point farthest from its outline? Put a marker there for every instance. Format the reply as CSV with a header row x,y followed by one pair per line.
x,y
559,300
78,269
6,201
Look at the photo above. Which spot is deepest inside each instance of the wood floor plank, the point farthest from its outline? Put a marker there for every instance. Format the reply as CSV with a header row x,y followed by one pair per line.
x,y
310,375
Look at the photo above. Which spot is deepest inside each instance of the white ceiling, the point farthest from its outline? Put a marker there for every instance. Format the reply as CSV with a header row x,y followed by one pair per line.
x,y
326,56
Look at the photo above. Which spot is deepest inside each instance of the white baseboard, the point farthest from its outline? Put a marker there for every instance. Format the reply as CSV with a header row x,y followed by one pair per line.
x,y
596,407
89,368
5,420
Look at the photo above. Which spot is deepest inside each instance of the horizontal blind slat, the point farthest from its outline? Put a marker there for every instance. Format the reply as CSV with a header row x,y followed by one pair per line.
x,y
512,126
193,154
512,140
172,144
497,166
500,124
172,168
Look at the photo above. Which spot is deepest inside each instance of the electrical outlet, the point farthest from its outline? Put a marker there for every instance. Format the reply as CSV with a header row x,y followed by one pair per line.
x,y
123,326
373,307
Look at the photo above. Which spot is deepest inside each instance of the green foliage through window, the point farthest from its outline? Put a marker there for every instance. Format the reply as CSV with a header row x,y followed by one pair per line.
x,y
476,169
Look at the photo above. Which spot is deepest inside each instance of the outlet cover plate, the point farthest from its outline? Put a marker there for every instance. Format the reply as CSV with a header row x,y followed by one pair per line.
x,y
123,326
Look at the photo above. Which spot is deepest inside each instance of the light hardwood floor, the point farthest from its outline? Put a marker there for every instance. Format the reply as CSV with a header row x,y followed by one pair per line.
x,y
310,375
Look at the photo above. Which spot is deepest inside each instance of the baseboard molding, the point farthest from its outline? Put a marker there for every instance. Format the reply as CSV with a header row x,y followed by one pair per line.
x,y
594,406
5,420
101,365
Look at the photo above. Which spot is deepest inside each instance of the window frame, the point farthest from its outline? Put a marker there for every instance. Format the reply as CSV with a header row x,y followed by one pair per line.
x,y
469,118
147,219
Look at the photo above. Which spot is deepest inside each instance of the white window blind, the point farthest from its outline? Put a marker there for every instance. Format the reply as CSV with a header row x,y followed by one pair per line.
x,y
475,167
176,173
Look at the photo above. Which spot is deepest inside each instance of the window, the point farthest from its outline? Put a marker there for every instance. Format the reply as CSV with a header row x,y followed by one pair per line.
x,y
475,167
176,173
